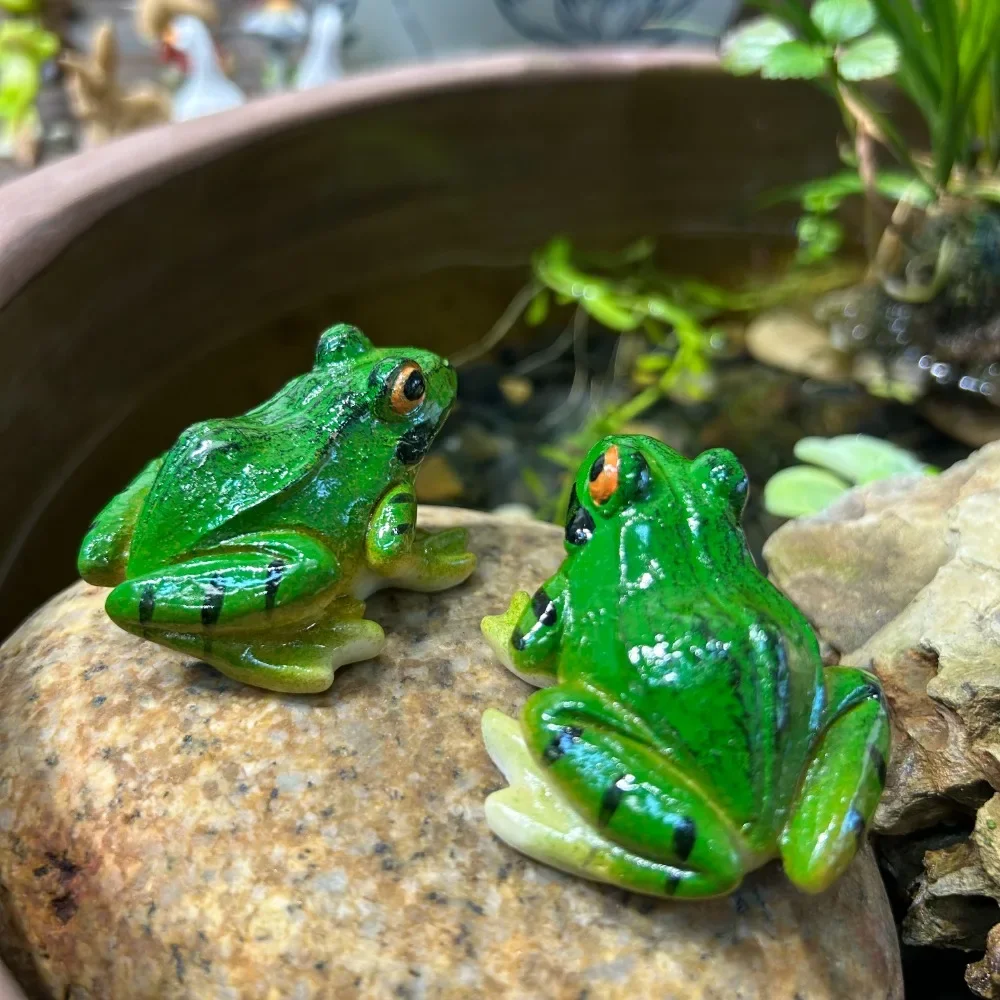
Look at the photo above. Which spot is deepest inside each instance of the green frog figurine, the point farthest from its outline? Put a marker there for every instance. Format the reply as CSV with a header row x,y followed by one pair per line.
x,y
253,542
687,731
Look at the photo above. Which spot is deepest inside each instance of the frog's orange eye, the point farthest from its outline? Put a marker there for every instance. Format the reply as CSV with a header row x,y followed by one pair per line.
x,y
408,388
604,476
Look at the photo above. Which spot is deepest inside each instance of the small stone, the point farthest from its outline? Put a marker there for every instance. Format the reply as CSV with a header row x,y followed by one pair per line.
x,y
972,425
515,510
795,343
516,389
437,481
371,872
983,977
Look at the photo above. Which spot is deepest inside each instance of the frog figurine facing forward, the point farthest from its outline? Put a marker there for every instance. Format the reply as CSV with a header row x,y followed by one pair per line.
x,y
252,543
691,733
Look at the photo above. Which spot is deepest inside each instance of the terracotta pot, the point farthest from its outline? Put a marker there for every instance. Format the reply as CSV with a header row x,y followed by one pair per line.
x,y
129,274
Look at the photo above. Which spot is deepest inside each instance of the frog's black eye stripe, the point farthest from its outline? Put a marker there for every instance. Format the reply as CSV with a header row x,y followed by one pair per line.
x,y
604,476
544,608
579,522
408,388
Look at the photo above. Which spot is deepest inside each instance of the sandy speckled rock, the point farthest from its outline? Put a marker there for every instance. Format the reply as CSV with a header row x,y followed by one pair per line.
x,y
167,833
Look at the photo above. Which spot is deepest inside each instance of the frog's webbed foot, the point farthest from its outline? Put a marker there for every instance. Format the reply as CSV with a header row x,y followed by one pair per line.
x,y
259,608
404,555
297,662
842,783
591,800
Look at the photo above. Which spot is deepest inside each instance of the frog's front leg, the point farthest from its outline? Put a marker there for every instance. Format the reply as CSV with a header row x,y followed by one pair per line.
x,y
665,836
842,783
403,555
262,608
104,551
527,636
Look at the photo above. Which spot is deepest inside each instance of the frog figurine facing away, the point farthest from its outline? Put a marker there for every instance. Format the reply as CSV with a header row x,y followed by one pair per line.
x,y
252,543
692,732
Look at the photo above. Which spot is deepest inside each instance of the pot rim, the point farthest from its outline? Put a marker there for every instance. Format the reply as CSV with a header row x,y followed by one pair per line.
x,y
42,212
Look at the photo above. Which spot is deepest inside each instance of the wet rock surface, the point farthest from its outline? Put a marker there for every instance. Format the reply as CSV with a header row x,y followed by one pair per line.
x,y
167,833
903,578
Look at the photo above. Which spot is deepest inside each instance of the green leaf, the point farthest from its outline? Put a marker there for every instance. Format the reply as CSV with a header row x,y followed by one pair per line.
x,y
859,458
795,60
801,491
824,195
538,309
746,49
841,20
819,238
872,57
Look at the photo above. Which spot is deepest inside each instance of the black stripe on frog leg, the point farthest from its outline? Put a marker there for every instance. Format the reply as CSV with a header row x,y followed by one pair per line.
x,y
147,604
544,608
854,823
670,886
560,743
275,573
579,522
403,498
685,834
402,529
878,762
211,605
612,797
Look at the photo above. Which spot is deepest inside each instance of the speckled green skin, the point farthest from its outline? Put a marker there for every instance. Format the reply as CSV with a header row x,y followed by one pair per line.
x,y
691,720
253,541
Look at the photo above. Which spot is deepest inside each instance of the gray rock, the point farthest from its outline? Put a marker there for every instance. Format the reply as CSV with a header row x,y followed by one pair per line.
x,y
903,578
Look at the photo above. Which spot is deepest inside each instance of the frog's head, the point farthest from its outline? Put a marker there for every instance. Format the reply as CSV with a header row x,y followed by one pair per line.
x,y
632,477
404,393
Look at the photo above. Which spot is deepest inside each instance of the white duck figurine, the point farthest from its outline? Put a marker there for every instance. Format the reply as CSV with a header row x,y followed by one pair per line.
x,y
206,89
320,62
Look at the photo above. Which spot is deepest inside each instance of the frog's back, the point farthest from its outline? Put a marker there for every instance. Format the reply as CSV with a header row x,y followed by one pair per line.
x,y
217,470
734,689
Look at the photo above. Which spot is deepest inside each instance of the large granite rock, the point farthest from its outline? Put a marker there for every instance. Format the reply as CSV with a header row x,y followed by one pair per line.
x,y
903,577
167,833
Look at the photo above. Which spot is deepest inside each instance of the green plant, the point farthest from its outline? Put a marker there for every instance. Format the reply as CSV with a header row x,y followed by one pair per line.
x,y
944,55
836,464
677,322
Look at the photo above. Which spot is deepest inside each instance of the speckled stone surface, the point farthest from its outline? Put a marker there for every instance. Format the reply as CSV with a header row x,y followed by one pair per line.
x,y
167,833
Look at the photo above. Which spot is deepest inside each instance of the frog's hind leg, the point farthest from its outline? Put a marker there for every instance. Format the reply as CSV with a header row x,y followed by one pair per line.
x,y
260,608
842,782
654,830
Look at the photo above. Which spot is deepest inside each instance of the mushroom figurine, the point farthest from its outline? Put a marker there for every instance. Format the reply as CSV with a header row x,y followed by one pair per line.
x,y
320,62
282,24
205,89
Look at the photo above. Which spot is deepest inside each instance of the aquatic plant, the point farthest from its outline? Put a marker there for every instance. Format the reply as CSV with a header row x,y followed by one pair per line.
x,y
931,303
836,464
674,325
